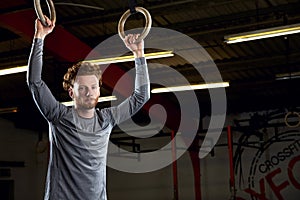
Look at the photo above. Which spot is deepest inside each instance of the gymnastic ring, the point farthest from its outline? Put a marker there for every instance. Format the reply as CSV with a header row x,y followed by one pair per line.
x,y
39,12
286,119
127,14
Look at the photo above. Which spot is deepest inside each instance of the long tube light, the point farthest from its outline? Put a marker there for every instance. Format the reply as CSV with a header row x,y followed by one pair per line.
x,y
8,110
101,99
288,76
191,87
13,70
128,58
162,54
263,33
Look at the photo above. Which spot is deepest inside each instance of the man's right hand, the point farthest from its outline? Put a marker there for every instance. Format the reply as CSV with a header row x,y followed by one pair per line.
x,y
42,31
135,46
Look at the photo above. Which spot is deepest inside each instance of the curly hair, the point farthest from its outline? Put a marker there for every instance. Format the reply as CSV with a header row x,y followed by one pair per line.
x,y
81,68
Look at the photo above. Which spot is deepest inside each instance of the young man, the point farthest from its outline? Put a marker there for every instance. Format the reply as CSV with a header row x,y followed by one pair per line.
x,y
79,135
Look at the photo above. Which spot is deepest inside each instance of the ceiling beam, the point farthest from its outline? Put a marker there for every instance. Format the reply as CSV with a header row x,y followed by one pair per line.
x,y
9,5
62,44
168,9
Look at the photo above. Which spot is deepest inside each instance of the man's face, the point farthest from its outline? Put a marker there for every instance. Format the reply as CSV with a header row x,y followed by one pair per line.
x,y
85,92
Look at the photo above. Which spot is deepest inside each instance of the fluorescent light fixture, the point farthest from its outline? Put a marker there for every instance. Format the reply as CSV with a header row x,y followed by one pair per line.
x,y
13,70
191,87
263,33
8,110
107,98
154,55
288,76
120,59
101,99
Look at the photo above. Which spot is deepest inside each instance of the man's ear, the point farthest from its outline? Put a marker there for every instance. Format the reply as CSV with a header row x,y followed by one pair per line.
x,y
71,92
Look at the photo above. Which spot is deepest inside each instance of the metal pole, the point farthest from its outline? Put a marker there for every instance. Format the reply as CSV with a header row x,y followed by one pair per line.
x,y
174,165
231,166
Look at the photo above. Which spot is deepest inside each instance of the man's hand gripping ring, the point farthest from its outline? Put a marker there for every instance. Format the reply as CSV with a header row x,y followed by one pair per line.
x,y
39,12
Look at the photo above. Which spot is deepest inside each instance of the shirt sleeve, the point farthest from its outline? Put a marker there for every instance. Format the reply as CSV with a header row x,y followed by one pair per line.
x,y
139,97
45,101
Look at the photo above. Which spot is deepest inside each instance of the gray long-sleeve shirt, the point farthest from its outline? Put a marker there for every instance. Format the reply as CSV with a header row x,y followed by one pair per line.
x,y
78,146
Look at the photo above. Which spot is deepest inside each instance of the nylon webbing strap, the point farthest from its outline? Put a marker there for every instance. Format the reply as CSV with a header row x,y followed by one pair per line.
x,y
132,5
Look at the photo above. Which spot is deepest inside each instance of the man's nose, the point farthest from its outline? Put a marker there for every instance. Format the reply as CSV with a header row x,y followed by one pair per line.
x,y
88,92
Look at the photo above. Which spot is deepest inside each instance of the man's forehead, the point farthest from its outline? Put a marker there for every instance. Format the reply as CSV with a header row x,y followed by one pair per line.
x,y
86,79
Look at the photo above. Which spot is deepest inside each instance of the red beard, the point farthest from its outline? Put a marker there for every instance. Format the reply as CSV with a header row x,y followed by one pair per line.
x,y
88,103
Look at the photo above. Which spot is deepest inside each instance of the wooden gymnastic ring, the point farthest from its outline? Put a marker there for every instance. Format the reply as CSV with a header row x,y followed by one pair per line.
x,y
39,12
286,119
127,14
